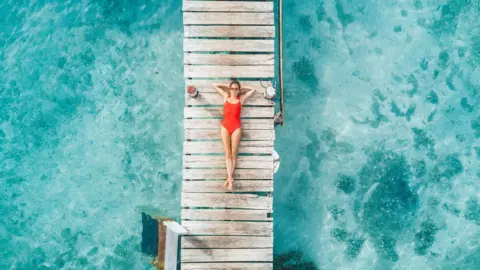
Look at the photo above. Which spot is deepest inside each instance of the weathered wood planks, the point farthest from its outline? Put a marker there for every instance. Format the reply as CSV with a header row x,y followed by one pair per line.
x,y
227,242
236,18
251,112
229,59
197,174
245,147
228,265
229,71
206,86
243,162
227,230
217,186
214,134
235,6
230,200
234,45
242,31
255,124
204,99
226,214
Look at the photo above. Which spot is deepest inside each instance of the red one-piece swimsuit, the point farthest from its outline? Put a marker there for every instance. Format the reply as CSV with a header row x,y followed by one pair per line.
x,y
231,116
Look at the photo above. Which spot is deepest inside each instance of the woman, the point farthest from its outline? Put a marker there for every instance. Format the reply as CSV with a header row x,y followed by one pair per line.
x,y
231,130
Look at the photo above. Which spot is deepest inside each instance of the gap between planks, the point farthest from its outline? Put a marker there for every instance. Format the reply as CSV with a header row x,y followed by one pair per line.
x,y
227,255
206,86
227,200
226,214
227,242
229,71
212,186
233,31
243,162
214,134
229,18
227,265
250,112
209,99
227,6
247,124
228,228
247,174
216,147
234,45
229,59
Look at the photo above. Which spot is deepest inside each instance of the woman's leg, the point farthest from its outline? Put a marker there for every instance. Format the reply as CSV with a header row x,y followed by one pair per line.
x,y
236,136
228,154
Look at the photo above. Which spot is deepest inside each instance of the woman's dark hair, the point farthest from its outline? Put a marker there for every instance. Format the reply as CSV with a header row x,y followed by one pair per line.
x,y
235,82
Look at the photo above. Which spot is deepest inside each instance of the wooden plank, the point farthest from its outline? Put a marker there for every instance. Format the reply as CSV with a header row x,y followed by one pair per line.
x,y
248,174
232,45
245,147
229,59
225,214
243,162
214,134
231,200
227,242
228,265
224,255
237,18
263,124
216,99
206,86
257,31
237,6
217,186
228,228
251,112
228,71
242,144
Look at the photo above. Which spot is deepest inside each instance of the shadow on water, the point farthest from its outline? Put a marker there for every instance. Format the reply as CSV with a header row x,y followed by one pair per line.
x,y
293,260
149,235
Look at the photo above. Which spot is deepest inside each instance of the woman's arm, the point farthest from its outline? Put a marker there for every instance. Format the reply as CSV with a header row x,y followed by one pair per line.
x,y
248,94
219,87
248,88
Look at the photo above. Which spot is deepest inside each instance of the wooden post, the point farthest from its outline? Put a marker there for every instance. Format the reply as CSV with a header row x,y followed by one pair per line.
x,y
174,230
162,235
168,233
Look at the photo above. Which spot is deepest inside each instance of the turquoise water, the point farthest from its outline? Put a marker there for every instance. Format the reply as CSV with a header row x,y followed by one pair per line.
x,y
90,130
381,145
380,149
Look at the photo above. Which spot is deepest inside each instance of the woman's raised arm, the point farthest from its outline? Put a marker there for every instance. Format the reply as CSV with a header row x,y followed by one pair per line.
x,y
250,93
219,87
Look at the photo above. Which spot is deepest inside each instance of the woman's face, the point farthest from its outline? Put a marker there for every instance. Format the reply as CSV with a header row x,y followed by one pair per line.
x,y
234,90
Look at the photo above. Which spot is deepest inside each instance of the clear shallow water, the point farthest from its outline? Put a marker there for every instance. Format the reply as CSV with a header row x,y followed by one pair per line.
x,y
380,151
90,130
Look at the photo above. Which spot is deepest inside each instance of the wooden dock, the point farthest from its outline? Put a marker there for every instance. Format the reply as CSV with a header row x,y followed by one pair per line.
x,y
224,40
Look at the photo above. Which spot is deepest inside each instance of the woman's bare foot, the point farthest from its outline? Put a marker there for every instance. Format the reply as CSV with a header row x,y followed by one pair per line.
x,y
230,184
225,185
